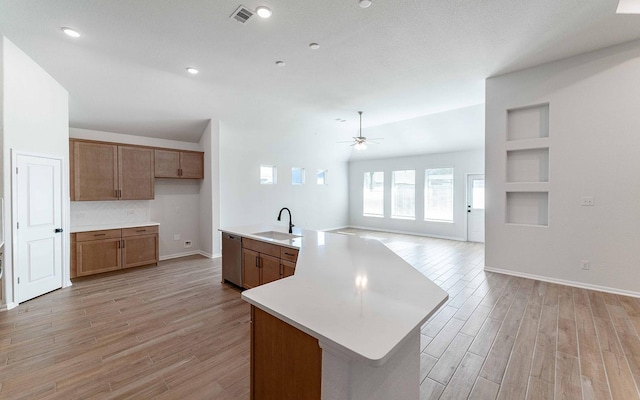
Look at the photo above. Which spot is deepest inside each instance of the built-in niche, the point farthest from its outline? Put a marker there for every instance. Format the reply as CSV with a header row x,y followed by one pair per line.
x,y
527,166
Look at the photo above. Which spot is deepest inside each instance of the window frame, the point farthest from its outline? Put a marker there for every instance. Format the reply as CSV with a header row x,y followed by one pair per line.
x,y
364,192
274,174
426,195
394,194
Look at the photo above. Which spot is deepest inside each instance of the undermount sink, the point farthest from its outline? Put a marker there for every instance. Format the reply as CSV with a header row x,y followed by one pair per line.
x,y
276,235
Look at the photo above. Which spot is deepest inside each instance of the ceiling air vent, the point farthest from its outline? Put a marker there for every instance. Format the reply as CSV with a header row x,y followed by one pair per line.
x,y
242,14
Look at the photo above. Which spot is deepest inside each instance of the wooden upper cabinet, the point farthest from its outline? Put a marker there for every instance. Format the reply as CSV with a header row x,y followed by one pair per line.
x,y
94,171
167,164
179,164
135,165
191,165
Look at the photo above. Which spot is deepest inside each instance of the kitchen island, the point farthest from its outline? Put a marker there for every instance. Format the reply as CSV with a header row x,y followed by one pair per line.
x,y
360,302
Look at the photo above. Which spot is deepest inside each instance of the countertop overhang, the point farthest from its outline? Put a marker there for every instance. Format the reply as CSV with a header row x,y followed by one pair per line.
x,y
354,295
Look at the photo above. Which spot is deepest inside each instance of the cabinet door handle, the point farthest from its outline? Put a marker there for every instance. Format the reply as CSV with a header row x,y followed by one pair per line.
x,y
118,244
257,262
281,270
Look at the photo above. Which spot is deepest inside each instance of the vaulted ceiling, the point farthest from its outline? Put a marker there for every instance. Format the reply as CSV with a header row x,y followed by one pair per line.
x,y
395,60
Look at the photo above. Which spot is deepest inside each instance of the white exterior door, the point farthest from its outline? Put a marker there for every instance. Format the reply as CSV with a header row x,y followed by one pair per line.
x,y
475,208
38,226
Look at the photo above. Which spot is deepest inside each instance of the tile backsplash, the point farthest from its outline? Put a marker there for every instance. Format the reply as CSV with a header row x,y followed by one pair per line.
x,y
109,212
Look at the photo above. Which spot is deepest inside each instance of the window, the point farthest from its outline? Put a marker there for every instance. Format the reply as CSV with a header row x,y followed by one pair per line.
x,y
297,176
438,194
373,194
268,174
321,177
477,197
403,194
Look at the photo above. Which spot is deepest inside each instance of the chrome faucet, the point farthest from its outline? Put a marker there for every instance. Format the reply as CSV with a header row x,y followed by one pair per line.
x,y
280,215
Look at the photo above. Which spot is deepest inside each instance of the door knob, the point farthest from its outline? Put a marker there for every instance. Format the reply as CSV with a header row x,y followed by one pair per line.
x,y
58,230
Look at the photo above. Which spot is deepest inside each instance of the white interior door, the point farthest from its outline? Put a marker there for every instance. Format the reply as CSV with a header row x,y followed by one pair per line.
x,y
38,226
475,208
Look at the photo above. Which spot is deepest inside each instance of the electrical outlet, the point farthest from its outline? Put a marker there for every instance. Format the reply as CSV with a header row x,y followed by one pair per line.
x,y
584,264
586,201
188,244
176,236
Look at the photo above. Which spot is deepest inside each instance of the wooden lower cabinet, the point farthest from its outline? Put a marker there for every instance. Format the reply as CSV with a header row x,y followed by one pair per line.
x,y
265,262
140,246
110,250
97,256
250,268
288,268
286,363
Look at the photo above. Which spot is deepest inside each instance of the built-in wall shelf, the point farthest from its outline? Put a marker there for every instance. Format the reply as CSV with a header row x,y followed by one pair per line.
x,y
526,144
528,208
530,165
527,187
527,148
531,122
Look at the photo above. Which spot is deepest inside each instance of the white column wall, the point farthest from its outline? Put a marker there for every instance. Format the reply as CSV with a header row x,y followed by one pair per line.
x,y
35,120
594,125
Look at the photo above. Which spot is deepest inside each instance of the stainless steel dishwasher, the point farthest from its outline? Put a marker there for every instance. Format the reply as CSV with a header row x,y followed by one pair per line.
x,y
232,259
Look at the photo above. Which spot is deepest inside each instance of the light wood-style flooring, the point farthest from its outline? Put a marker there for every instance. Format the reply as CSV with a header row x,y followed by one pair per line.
x,y
174,332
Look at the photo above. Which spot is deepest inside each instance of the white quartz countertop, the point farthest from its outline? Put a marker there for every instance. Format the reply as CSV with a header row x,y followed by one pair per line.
x,y
119,225
354,295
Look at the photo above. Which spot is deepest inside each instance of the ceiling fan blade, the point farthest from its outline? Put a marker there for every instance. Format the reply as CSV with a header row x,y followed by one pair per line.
x,y
346,141
376,138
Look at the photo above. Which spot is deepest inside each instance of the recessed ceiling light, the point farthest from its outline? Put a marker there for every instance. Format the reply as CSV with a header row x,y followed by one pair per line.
x,y
364,3
264,12
70,32
628,7
314,46
192,71
280,63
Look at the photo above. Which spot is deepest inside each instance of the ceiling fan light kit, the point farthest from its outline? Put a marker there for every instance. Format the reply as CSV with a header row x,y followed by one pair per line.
x,y
360,142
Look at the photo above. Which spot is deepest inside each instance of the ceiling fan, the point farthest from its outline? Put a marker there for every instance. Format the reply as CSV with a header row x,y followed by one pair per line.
x,y
360,142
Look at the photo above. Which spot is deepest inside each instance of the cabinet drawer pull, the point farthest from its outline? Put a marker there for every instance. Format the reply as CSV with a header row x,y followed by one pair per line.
x,y
141,230
289,254
99,234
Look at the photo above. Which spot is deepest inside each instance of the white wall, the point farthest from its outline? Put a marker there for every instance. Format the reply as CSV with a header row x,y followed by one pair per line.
x,y
243,201
594,139
464,163
210,190
35,119
177,203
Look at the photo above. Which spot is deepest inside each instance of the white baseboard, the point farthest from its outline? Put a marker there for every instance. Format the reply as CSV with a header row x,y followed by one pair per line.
x,y
189,253
8,306
178,255
580,285
335,229
459,239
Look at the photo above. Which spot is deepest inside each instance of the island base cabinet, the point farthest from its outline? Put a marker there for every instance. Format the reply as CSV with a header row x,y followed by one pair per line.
x,y
286,363
250,269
